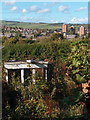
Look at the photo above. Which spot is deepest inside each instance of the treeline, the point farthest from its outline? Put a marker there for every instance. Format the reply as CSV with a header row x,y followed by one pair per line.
x,y
53,47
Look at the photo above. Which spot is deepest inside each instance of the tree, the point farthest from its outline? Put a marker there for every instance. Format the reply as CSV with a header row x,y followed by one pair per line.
x,y
79,68
79,62
56,36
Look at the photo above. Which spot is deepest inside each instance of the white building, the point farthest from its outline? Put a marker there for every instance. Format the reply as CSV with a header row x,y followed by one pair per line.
x,y
28,68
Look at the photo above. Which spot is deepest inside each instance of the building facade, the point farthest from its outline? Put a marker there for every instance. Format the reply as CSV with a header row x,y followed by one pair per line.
x,y
64,28
82,31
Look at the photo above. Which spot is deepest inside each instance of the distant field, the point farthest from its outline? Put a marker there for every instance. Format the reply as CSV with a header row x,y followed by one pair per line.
x,y
37,25
32,25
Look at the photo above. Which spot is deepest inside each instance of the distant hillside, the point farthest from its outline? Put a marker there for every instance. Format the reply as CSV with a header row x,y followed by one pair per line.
x,y
37,25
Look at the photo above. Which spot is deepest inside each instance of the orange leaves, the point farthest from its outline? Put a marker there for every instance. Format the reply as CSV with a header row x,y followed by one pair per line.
x,y
85,87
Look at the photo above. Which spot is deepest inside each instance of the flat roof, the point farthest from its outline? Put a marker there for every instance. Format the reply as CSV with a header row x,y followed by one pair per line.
x,y
27,61
25,64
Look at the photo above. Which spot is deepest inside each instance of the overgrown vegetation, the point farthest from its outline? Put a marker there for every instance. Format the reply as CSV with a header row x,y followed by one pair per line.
x,y
61,98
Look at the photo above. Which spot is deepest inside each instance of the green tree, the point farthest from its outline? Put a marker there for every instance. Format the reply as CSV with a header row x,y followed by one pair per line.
x,y
79,62
79,69
56,36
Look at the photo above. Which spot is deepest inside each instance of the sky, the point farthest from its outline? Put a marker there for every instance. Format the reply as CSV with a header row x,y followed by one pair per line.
x,y
47,12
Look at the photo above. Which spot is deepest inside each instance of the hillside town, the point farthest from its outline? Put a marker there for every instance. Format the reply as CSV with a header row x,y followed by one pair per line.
x,y
68,32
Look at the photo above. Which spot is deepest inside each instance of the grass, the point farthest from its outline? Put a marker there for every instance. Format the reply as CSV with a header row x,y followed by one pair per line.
x,y
31,25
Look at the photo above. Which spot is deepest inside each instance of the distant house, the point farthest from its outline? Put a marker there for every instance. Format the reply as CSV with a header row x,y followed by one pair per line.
x,y
71,36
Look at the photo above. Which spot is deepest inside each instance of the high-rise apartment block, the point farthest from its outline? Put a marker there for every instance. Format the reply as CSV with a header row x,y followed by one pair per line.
x,y
82,31
64,28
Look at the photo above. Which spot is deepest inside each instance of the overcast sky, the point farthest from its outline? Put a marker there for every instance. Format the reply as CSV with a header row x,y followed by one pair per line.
x,y
48,12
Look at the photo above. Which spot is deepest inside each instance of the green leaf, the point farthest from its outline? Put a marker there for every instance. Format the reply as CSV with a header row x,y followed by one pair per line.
x,y
75,71
80,79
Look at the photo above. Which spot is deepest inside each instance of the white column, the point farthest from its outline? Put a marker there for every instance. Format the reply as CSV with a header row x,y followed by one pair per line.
x,y
33,75
7,75
46,72
22,75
